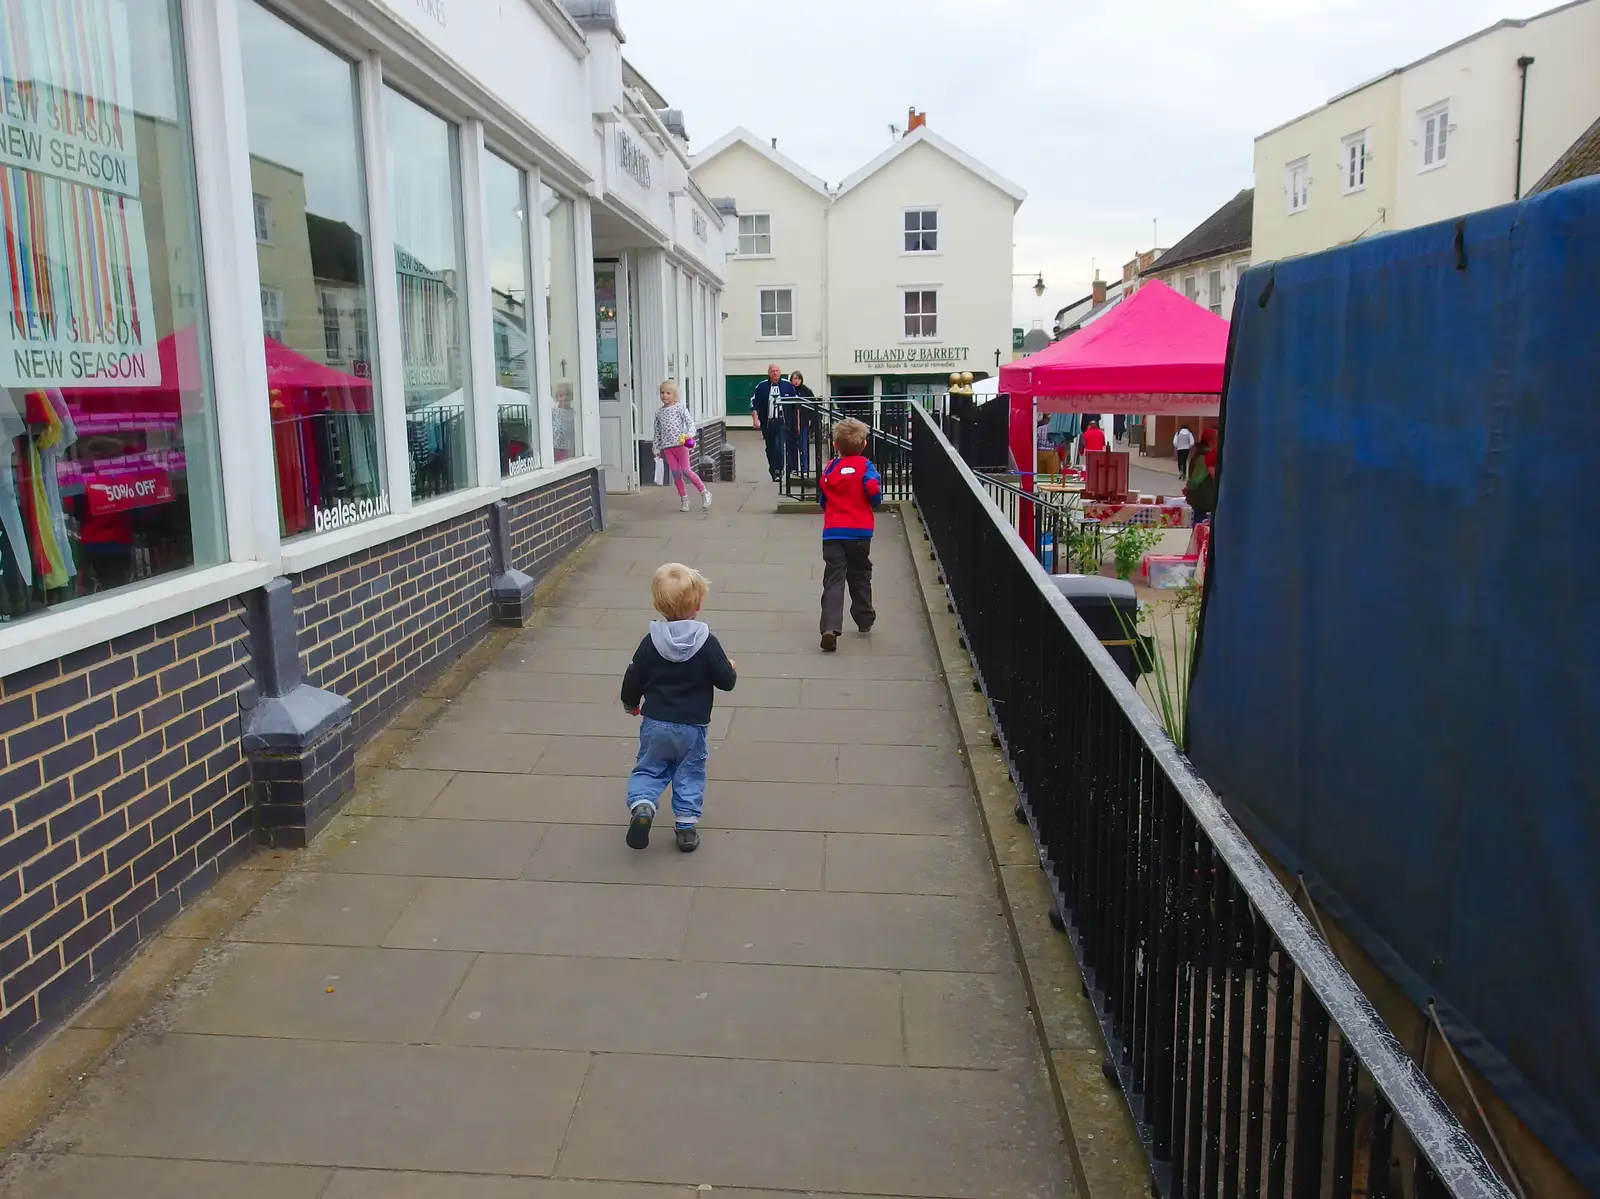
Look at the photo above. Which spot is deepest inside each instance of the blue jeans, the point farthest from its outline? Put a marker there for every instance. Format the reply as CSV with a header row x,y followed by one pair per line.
x,y
670,753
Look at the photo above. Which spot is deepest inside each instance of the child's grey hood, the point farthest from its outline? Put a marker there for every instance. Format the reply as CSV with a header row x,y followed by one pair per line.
x,y
678,640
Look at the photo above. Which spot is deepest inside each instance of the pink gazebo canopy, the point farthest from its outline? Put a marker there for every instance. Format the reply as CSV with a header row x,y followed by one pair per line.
x,y
1154,353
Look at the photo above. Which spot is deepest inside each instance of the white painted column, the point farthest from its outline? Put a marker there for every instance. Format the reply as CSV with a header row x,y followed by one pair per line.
x,y
544,400
588,345
389,359
247,478
483,416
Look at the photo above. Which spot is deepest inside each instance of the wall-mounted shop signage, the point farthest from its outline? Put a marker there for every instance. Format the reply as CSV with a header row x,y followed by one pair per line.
x,y
914,356
67,133
351,512
701,225
635,163
421,376
434,10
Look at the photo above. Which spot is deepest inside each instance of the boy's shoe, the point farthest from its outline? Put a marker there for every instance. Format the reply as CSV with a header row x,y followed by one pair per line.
x,y
683,504
830,642
639,827
866,628
688,839
705,499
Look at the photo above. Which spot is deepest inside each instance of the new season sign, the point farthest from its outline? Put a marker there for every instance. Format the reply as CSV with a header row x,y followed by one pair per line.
x,y
73,262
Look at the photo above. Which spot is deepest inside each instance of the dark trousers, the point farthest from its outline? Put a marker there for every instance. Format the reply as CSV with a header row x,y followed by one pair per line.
x,y
772,434
847,563
1183,465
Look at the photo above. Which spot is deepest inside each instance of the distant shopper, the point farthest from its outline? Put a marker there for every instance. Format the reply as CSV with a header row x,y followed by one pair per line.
x,y
674,444
764,415
1094,438
1047,460
672,682
849,492
801,427
1200,484
1182,443
564,424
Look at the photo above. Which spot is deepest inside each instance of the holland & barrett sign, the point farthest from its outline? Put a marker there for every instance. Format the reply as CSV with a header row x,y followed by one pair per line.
x,y
914,356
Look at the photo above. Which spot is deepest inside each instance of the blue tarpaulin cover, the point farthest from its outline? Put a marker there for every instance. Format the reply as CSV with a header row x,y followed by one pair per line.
x,y
1397,689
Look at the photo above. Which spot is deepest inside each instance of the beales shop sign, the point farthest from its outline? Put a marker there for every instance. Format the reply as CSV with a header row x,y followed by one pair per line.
x,y
914,356
635,163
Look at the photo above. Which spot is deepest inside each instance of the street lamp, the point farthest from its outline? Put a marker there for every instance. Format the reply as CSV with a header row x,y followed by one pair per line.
x,y
1038,281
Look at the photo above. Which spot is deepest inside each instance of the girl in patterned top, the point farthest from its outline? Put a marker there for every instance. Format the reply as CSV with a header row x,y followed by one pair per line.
x,y
674,438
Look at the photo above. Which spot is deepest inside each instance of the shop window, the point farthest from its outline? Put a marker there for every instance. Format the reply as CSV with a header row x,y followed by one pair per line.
x,y
608,341
425,207
776,310
305,159
108,452
506,226
755,235
562,323
922,231
674,302
922,314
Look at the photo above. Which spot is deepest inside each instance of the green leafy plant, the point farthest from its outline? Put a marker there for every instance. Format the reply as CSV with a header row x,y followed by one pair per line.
x,y
1130,544
1081,548
1164,635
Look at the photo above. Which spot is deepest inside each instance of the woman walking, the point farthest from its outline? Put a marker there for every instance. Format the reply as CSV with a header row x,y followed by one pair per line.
x,y
674,438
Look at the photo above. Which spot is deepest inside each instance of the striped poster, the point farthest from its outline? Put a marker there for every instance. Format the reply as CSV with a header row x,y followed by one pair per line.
x,y
74,267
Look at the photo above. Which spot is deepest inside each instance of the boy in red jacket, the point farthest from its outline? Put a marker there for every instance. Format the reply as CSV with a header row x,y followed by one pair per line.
x,y
849,492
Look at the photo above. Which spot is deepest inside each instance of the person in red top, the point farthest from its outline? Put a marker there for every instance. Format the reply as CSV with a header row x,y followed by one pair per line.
x,y
849,491
1094,438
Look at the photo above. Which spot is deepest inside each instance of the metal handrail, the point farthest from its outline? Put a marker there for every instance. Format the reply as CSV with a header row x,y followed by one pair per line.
x,y
1172,912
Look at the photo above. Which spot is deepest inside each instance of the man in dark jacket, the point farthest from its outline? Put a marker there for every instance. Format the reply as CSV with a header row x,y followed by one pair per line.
x,y
765,416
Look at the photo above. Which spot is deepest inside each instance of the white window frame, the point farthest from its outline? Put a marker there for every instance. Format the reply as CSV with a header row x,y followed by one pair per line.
x,y
1216,287
279,318
920,289
1353,175
1191,287
1297,199
751,216
261,211
920,210
776,289
1433,150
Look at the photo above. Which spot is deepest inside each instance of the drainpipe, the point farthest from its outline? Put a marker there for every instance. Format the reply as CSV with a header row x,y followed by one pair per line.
x,y
1523,64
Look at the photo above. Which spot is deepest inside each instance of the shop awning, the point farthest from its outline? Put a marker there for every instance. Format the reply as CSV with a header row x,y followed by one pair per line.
x,y
1155,353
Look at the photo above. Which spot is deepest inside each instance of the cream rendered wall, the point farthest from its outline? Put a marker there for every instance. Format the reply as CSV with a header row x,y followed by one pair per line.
x,y
1330,217
799,241
1482,83
868,268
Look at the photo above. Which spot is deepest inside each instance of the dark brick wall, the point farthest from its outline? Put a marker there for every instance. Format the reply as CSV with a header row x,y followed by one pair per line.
x,y
378,626
709,442
545,524
123,794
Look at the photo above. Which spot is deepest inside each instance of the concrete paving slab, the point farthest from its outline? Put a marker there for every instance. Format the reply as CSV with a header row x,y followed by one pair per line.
x,y
901,765
810,928
610,756
470,749
75,1177
821,726
557,637
968,1021
589,853
317,992
863,1129
805,807
328,909
383,1184
637,616
840,665
698,1009
611,662
397,792
908,865
571,919
575,799
772,761
436,848
872,695
555,718
397,1107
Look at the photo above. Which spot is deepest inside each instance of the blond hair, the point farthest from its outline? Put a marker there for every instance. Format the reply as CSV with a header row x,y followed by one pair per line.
x,y
669,385
850,437
678,591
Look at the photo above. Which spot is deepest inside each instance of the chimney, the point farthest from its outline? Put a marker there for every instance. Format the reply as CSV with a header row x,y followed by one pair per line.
x,y
1099,292
774,143
915,120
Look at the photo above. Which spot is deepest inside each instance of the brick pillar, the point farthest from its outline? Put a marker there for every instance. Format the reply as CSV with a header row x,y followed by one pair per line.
x,y
298,738
510,590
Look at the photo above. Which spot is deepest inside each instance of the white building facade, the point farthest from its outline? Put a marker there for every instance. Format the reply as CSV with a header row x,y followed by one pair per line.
x,y
1468,127
881,286
319,400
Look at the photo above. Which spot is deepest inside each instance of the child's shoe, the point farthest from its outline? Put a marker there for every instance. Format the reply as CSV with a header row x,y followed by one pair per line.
x,y
705,499
683,504
639,826
688,839
830,642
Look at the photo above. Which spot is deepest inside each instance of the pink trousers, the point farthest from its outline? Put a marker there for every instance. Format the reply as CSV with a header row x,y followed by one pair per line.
x,y
677,460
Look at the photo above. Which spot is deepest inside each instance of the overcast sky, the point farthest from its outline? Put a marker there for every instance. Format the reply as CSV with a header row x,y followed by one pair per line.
x,y
1110,113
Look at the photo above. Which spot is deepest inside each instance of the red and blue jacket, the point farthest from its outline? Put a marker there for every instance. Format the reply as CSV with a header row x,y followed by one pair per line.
x,y
849,491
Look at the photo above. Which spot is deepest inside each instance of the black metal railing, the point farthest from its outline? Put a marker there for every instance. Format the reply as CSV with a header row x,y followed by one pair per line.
x,y
807,442
1047,525
1251,1062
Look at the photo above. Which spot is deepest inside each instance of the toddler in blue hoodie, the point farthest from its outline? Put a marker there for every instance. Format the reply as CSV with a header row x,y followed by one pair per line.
x,y
672,681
